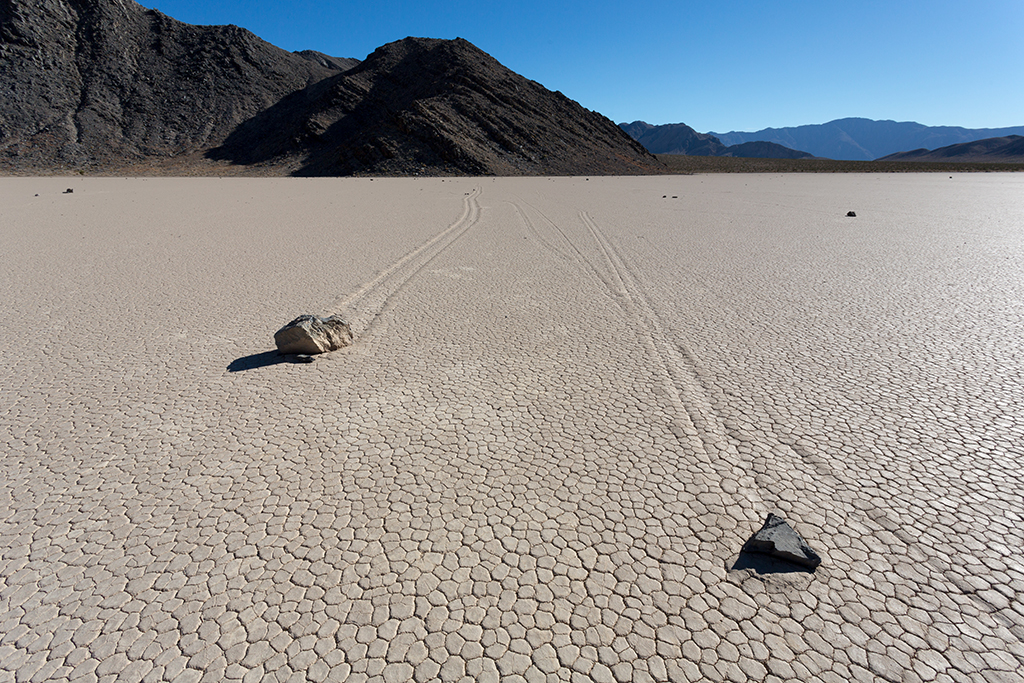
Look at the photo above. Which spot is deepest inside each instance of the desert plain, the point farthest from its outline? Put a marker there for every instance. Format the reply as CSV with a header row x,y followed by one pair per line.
x,y
569,403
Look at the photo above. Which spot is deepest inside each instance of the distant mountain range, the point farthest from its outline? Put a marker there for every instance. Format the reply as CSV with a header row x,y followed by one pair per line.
x,y
1002,149
678,138
865,139
98,85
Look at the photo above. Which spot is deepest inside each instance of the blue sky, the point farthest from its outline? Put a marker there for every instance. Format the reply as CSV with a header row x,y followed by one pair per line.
x,y
721,66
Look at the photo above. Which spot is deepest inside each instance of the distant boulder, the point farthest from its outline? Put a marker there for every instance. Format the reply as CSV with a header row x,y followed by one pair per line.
x,y
310,334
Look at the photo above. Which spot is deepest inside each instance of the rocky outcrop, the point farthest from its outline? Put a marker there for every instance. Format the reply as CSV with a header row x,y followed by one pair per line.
x,y
310,334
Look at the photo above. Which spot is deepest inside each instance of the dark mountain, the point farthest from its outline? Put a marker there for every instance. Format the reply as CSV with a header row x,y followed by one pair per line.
x,y
436,106
864,139
105,84
1002,149
764,150
678,138
89,82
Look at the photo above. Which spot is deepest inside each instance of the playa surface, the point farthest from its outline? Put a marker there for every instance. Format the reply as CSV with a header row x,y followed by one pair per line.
x,y
569,404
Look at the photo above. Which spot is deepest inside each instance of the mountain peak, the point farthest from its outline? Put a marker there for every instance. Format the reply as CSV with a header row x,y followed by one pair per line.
x,y
436,106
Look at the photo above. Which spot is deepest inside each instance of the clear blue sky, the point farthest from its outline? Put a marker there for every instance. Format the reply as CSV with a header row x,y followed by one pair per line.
x,y
721,66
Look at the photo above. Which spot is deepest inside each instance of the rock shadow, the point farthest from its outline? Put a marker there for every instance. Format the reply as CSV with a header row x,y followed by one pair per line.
x,y
259,360
766,564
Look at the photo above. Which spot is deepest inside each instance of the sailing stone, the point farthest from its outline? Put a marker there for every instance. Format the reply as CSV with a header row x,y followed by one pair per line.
x,y
778,539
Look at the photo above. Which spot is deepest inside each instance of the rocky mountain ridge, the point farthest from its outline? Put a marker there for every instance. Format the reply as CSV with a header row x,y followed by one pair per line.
x,y
440,106
98,84
679,138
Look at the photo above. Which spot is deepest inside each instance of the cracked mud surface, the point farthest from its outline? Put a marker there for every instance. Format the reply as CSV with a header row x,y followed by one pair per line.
x,y
568,405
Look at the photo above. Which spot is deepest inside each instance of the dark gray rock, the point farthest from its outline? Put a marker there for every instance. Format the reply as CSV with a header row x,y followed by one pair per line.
x,y
310,334
851,214
778,539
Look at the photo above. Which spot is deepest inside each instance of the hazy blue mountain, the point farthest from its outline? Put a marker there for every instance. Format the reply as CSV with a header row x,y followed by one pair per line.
x,y
678,138
865,139
1002,149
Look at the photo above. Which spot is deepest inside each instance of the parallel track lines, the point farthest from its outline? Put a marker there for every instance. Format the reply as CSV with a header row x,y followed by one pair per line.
x,y
696,418
365,306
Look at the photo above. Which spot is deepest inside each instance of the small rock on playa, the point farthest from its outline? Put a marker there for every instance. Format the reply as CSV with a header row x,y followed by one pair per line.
x,y
310,334
778,539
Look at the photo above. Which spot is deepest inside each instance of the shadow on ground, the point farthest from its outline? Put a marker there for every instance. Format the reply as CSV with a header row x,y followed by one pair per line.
x,y
765,564
259,360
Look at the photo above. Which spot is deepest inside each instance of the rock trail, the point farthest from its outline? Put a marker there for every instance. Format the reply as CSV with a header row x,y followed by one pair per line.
x,y
367,303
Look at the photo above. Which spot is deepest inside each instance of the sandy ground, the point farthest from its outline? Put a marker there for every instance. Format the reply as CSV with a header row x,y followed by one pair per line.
x,y
569,404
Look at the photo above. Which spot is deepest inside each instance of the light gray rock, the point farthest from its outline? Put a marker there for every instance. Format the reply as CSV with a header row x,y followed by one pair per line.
x,y
310,334
778,539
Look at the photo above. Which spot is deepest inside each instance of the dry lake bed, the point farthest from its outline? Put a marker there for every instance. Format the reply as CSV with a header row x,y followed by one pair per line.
x,y
569,404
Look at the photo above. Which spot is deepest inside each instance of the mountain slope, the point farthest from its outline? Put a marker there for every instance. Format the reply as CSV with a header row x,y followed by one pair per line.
x,y
763,150
678,138
1002,149
434,106
86,82
333,63
865,139
674,138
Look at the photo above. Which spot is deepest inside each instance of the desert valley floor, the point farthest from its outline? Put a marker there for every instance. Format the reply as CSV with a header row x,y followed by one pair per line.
x,y
569,404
